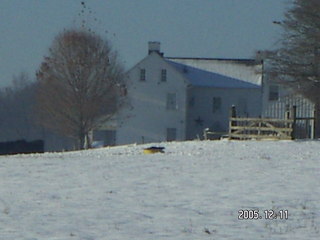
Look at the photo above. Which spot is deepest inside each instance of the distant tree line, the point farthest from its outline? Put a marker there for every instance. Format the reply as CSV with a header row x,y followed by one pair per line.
x,y
17,116
16,104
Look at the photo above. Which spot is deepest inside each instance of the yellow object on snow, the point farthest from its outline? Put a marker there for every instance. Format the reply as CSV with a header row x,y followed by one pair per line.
x,y
151,150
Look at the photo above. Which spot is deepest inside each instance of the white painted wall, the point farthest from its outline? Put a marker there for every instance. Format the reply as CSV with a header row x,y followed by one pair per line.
x,y
218,121
287,98
147,119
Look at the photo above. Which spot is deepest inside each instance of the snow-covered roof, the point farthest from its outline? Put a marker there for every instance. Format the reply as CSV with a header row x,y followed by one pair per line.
x,y
246,61
202,78
248,70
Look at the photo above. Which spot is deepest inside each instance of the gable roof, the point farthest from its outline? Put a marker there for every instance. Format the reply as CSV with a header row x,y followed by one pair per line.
x,y
246,61
202,78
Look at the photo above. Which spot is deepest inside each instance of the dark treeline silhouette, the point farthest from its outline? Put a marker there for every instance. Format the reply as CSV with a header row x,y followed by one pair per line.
x,y
21,146
17,119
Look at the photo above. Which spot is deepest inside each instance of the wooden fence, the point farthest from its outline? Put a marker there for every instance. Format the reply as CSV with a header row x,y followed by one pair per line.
x,y
260,128
266,128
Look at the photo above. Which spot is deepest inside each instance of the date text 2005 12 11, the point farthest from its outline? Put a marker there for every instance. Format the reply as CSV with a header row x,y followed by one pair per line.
x,y
265,214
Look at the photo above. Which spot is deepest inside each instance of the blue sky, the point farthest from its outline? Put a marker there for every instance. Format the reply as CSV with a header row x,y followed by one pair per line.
x,y
185,28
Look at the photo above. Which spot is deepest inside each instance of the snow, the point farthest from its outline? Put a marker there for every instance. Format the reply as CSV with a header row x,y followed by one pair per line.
x,y
192,191
199,77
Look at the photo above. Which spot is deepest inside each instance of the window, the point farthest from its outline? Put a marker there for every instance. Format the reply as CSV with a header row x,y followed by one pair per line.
x,y
171,134
191,102
216,104
171,101
142,74
163,75
273,93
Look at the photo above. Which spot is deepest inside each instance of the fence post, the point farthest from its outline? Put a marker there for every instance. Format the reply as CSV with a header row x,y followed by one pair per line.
x,y
232,114
287,117
205,133
316,121
233,111
313,126
259,126
294,118
307,129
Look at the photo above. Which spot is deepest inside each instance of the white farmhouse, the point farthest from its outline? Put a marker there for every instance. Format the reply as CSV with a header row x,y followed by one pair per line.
x,y
176,99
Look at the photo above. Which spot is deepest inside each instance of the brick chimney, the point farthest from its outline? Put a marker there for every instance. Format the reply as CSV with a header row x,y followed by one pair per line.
x,y
154,47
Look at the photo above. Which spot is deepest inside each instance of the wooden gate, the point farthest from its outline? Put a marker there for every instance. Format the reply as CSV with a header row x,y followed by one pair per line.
x,y
265,128
260,128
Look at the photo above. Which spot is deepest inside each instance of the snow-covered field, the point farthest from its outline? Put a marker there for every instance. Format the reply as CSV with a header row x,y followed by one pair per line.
x,y
192,191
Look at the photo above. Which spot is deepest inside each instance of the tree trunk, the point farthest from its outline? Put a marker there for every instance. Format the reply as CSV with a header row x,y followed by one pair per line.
x,y
88,141
81,139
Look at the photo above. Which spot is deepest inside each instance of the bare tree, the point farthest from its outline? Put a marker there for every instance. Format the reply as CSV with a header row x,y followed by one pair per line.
x,y
297,62
79,84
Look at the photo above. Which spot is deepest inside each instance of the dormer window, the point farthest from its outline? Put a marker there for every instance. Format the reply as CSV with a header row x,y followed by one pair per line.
x,y
142,75
163,75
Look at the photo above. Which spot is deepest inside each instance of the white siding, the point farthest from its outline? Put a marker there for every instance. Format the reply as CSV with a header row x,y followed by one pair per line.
x,y
147,119
287,99
277,109
202,108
